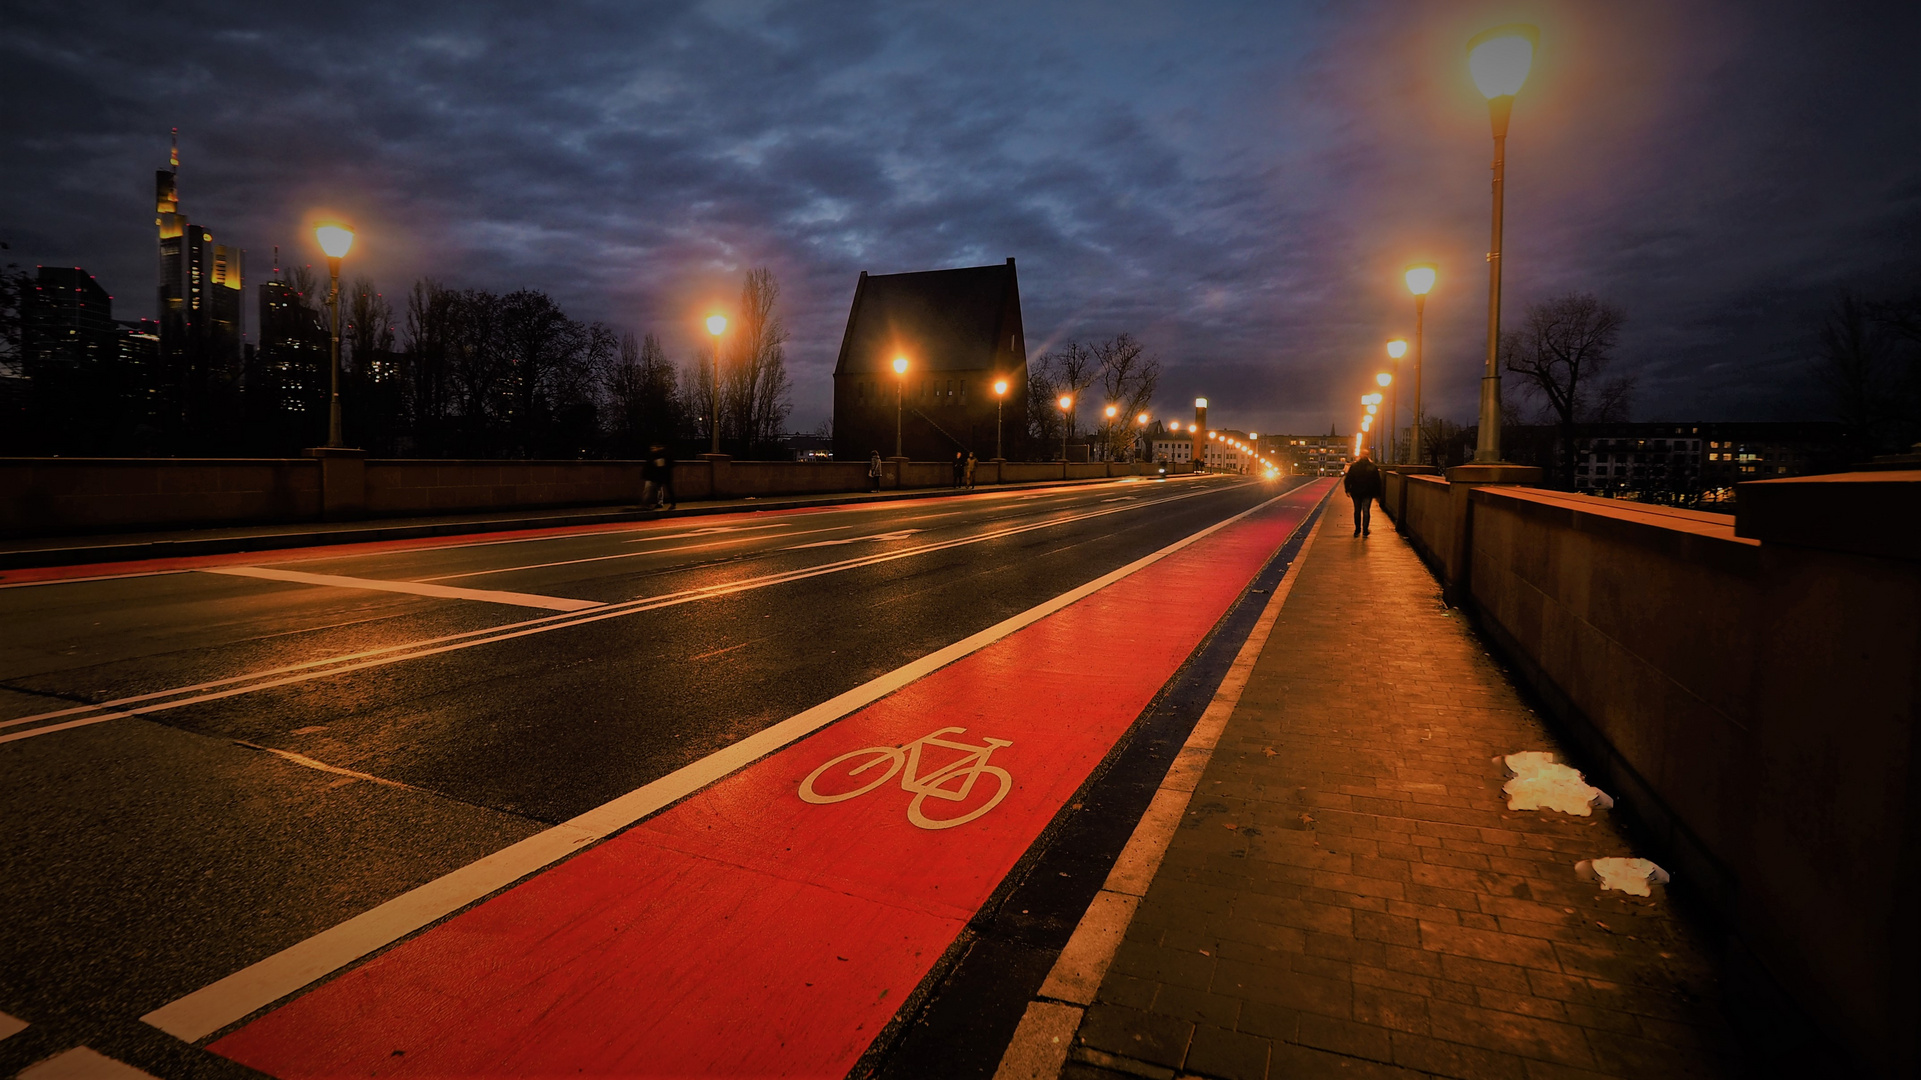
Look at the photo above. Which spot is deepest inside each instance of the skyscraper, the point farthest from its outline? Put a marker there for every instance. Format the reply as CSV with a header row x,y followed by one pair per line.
x,y
200,308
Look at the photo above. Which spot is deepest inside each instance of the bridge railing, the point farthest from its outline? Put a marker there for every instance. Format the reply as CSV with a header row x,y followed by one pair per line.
x,y
1749,689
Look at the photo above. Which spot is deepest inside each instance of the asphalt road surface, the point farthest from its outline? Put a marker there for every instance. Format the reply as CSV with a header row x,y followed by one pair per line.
x,y
204,763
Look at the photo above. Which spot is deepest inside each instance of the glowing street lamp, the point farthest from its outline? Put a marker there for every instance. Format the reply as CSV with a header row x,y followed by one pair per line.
x,y
716,325
1499,60
1420,281
1395,350
335,241
900,398
1066,403
1000,402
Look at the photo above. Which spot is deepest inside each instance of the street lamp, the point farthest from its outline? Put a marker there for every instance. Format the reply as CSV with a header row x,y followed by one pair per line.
x,y
1499,60
335,241
1420,281
1395,350
1140,439
1066,403
716,325
1000,402
900,398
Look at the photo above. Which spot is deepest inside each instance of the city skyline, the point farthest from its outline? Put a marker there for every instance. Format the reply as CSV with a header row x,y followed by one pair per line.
x,y
1682,162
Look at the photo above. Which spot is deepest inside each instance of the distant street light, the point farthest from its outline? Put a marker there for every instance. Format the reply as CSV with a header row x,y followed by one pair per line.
x,y
1140,438
1000,402
1499,60
1420,281
335,241
716,325
900,399
1395,350
1066,403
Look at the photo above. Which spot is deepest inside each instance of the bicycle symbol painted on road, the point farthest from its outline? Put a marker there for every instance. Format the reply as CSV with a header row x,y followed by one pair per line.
x,y
939,784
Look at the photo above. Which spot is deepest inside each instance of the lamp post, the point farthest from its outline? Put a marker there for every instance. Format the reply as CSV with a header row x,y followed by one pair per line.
x,y
1066,403
1420,281
1499,60
335,241
716,325
1395,350
1000,403
1140,438
900,398
1107,432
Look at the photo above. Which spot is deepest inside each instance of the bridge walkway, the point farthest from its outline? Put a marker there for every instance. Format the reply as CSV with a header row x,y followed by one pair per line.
x,y
1348,893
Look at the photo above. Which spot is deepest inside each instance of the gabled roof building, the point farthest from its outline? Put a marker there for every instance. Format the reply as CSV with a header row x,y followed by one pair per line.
x,y
960,332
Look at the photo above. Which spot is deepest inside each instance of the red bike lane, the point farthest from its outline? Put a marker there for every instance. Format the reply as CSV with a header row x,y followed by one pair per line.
x,y
748,931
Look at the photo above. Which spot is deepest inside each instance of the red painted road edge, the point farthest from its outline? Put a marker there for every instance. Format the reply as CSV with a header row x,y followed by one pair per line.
x,y
746,932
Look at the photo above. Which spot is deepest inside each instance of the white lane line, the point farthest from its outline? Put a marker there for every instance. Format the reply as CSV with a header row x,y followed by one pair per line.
x,y
708,532
258,985
392,654
10,1025
897,534
635,554
81,1063
418,588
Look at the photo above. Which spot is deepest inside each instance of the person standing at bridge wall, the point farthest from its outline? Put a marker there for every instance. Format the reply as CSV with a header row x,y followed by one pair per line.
x,y
1363,484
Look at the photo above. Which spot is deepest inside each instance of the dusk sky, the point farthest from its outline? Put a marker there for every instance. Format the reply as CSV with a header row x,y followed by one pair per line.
x,y
1239,185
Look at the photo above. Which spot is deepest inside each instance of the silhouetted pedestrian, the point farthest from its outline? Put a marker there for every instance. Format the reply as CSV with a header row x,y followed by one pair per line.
x,y
873,471
960,468
969,474
1363,483
662,459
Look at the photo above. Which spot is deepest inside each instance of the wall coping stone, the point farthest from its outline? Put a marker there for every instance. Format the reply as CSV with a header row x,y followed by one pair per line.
x,y
1866,513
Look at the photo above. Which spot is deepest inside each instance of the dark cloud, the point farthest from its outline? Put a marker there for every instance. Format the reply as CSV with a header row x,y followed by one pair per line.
x,y
1239,185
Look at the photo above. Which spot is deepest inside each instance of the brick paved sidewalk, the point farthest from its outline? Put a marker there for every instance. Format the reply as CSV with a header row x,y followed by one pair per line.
x,y
1350,896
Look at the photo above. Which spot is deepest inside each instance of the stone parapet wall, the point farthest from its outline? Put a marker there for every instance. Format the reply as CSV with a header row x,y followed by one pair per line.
x,y
49,496
1753,703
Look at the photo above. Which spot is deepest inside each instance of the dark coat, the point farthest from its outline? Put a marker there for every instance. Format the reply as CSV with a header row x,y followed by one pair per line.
x,y
1362,480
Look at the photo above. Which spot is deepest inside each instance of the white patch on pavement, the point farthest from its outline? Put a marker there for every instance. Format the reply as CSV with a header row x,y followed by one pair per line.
x,y
81,1063
1537,782
1632,876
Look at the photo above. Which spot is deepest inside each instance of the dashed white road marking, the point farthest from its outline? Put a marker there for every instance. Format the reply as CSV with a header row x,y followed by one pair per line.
x,y
417,588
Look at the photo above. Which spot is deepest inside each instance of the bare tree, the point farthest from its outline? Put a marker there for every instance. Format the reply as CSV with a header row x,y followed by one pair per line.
x,y
1564,353
643,392
1129,376
367,335
1043,387
756,395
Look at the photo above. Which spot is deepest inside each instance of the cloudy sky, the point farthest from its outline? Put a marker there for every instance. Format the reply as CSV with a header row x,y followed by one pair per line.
x,y
1238,184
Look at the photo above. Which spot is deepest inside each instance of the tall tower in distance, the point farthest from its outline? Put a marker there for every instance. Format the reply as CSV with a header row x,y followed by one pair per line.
x,y
200,308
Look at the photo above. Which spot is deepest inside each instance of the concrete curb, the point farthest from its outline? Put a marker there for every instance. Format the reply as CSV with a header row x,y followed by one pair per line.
x,y
29,558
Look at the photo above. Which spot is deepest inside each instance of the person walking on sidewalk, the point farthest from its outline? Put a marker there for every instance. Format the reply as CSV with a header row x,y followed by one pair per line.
x,y
968,475
960,467
662,460
873,471
1363,483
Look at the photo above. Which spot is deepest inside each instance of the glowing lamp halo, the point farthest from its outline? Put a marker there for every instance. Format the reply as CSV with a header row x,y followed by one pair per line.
x,y
1499,59
1420,278
335,240
716,324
